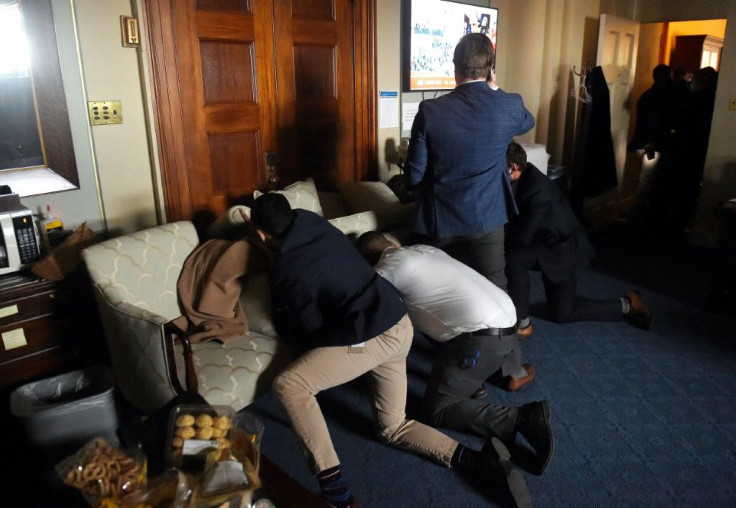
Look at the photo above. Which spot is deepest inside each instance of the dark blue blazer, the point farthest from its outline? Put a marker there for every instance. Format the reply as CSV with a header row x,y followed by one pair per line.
x,y
324,293
457,159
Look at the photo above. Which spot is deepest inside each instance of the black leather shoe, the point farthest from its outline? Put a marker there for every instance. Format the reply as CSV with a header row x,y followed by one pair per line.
x,y
533,425
639,314
501,476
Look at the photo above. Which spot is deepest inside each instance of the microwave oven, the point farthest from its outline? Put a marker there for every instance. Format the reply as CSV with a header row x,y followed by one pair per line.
x,y
19,241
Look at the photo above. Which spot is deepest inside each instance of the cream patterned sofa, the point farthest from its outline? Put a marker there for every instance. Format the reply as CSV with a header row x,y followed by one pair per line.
x,y
135,276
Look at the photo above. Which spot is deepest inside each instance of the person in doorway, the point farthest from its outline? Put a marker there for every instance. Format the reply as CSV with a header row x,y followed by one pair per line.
x,y
650,138
650,132
702,102
456,162
474,322
345,321
547,237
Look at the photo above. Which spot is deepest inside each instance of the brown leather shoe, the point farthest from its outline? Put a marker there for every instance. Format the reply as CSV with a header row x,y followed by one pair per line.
x,y
525,332
480,392
515,383
639,314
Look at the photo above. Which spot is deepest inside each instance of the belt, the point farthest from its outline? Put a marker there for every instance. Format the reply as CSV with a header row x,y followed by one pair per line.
x,y
495,332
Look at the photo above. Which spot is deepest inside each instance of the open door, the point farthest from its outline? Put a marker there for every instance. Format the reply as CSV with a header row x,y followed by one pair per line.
x,y
618,41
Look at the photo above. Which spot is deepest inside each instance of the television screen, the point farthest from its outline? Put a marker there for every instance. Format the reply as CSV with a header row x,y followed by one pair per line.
x,y
432,29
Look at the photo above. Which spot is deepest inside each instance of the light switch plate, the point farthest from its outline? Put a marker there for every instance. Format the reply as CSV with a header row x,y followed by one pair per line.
x,y
105,112
129,27
732,103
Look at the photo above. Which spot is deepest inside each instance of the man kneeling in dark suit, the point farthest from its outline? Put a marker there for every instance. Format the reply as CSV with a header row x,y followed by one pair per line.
x,y
547,237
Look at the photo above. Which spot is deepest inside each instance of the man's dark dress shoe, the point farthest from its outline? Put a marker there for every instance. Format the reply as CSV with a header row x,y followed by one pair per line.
x,y
525,332
533,424
516,383
501,476
639,314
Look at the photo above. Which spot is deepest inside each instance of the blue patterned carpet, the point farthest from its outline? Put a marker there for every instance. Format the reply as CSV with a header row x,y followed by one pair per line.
x,y
639,418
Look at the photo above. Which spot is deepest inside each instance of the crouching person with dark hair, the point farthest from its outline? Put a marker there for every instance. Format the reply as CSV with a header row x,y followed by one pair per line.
x,y
348,321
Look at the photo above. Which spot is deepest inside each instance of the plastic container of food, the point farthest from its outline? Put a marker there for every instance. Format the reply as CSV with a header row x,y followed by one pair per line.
x,y
197,432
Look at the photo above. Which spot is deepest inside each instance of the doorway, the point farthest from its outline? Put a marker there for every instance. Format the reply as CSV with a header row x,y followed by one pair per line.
x,y
657,41
655,45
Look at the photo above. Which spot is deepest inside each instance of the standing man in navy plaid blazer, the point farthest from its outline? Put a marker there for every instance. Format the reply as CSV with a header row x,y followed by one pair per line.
x,y
457,162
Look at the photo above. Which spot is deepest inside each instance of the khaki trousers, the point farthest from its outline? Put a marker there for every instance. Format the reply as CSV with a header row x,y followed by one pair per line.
x,y
384,357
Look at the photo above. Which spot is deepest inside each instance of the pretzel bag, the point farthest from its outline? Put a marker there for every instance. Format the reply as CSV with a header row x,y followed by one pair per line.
x,y
104,473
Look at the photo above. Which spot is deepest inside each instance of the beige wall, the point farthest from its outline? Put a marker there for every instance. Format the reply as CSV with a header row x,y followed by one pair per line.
x,y
719,182
116,180
123,161
388,58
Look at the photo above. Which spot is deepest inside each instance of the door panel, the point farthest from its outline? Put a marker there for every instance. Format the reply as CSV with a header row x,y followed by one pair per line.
x,y
237,79
316,104
228,115
618,40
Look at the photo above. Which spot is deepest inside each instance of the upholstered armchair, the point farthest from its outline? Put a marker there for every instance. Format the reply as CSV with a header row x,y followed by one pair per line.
x,y
135,285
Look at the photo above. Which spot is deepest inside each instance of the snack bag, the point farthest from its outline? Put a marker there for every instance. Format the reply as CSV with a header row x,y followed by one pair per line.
x,y
104,474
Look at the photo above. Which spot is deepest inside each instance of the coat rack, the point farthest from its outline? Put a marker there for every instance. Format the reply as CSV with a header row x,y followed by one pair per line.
x,y
580,92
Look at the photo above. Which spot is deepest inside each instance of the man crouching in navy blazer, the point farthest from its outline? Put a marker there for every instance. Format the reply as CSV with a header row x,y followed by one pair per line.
x,y
547,237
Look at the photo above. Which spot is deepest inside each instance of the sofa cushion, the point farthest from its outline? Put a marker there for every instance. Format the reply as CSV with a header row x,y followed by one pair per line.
x,y
333,205
363,196
255,298
236,373
356,224
377,196
300,195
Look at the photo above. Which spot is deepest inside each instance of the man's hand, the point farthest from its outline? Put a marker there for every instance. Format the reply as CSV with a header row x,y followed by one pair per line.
x,y
649,150
250,229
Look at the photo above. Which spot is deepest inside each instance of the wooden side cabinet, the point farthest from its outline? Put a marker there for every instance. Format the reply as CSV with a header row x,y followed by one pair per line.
x,y
47,327
693,52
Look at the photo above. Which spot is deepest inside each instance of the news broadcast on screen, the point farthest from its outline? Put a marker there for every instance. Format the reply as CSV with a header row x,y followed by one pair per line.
x,y
434,28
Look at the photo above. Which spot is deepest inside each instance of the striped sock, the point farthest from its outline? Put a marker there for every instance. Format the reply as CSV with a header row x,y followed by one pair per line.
x,y
333,488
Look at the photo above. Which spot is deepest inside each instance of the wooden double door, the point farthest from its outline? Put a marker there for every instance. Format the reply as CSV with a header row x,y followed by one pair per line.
x,y
251,93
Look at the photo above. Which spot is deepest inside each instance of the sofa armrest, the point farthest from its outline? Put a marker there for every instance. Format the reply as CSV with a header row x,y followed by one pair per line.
x,y
141,358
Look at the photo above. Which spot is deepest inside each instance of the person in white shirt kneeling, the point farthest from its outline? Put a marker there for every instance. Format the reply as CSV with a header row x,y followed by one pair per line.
x,y
475,320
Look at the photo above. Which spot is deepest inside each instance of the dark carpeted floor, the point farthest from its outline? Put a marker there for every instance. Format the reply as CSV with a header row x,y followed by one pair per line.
x,y
639,418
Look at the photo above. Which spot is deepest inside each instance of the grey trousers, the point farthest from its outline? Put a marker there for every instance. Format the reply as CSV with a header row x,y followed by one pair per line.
x,y
462,366
384,357
483,253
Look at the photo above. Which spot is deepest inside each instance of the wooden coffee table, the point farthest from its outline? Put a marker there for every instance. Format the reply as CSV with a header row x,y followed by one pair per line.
x,y
283,490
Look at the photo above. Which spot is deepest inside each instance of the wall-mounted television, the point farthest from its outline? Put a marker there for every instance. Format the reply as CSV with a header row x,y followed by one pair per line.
x,y
430,31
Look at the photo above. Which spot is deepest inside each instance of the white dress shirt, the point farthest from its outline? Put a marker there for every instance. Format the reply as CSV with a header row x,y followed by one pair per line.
x,y
444,296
